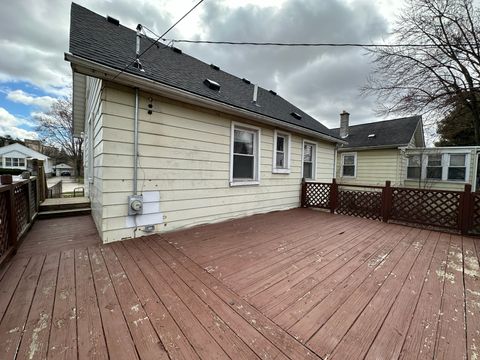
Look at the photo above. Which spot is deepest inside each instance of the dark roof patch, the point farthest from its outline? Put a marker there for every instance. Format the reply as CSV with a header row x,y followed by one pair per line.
x,y
215,67
394,133
113,21
272,92
94,39
246,81
212,84
295,115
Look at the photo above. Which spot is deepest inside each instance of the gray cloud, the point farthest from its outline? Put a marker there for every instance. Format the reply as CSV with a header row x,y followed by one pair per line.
x,y
322,81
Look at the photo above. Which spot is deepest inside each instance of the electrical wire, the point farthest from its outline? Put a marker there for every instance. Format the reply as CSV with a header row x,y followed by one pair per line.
x,y
158,39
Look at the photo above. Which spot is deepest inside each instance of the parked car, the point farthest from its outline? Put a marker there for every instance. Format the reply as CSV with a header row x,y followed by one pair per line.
x,y
65,173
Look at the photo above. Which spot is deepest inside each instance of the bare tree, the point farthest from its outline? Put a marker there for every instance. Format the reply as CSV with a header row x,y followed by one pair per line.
x,y
56,129
437,65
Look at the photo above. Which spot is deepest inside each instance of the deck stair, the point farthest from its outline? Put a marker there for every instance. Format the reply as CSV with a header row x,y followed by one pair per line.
x,y
60,207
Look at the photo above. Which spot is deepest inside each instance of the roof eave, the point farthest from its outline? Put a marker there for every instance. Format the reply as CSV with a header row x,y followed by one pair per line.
x,y
378,147
94,69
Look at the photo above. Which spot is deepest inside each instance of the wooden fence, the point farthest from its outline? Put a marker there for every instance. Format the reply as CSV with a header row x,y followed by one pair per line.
x,y
18,208
454,210
55,191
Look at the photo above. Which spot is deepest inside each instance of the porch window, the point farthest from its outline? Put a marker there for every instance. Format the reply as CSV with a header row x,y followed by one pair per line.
x,y
434,167
281,153
349,164
245,157
309,151
457,168
14,162
414,166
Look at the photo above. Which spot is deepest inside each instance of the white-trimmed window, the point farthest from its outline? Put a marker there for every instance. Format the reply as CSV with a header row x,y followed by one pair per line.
x,y
245,157
349,164
309,159
434,166
281,152
414,167
457,167
14,162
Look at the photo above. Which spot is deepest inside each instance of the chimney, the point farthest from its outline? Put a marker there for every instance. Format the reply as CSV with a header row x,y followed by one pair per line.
x,y
344,119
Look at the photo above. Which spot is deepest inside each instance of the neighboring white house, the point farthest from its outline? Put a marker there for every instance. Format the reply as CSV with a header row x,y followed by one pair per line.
x,y
172,142
16,156
62,168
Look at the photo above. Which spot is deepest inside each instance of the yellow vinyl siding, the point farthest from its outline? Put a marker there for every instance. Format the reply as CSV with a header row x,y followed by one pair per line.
x,y
184,153
374,167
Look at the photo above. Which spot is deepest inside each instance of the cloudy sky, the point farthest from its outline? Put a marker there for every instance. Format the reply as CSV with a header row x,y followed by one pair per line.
x,y
321,81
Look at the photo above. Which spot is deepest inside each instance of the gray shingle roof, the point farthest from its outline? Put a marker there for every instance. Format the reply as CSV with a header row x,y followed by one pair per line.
x,y
94,38
394,133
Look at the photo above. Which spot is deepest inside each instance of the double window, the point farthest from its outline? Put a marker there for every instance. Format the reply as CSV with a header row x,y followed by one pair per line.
x,y
245,160
281,153
349,164
14,162
309,155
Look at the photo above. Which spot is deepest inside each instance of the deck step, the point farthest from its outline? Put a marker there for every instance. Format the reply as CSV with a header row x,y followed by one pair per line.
x,y
64,204
63,213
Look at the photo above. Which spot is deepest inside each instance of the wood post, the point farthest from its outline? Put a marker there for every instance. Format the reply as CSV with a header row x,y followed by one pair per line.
x,y
303,194
333,196
12,216
465,210
386,201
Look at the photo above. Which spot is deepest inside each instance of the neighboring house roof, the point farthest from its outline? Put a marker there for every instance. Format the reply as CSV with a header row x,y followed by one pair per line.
x,y
387,133
63,166
19,148
94,38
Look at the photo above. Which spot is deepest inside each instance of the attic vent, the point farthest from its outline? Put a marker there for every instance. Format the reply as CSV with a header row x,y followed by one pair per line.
x,y
372,135
246,81
272,92
113,21
212,84
296,116
214,67
177,50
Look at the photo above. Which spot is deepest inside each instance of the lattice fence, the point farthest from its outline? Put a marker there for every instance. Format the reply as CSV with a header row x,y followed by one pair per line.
x,y
4,222
361,203
21,207
427,207
317,195
475,226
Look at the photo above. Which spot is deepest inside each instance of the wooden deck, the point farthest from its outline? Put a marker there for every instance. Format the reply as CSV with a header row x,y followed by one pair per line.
x,y
296,284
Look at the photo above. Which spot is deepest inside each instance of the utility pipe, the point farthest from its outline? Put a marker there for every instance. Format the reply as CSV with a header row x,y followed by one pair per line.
x,y
135,144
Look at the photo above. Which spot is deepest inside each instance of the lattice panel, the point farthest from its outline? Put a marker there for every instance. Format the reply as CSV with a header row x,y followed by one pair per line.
x,y
476,214
4,220
433,208
318,195
33,197
366,204
21,207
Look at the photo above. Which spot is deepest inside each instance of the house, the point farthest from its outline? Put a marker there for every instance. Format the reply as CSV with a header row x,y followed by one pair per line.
x,y
375,152
172,142
16,156
63,168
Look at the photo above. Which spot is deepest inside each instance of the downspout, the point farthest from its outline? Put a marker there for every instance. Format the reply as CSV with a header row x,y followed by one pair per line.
x,y
135,145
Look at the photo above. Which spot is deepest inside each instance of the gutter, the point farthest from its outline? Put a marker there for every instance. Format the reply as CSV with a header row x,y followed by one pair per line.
x,y
397,146
91,68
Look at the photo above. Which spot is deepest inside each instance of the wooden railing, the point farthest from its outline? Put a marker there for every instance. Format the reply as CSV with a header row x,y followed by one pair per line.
x,y
455,210
18,209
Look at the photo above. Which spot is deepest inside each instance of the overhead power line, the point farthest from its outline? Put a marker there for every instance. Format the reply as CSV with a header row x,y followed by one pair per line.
x,y
253,43
159,38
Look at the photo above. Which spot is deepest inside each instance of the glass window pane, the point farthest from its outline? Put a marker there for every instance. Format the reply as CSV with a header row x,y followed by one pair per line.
x,y
348,170
243,167
434,160
349,160
434,173
21,162
307,170
307,152
413,173
243,142
280,160
457,160
15,162
414,160
280,143
456,173
8,161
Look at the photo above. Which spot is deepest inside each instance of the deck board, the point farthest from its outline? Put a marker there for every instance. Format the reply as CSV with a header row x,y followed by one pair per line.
x,y
297,284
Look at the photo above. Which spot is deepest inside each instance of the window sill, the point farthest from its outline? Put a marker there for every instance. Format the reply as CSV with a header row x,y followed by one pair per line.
x,y
244,183
280,171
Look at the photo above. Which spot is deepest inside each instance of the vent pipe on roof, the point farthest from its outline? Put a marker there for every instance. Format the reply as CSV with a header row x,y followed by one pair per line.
x,y
344,120
255,94
137,64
